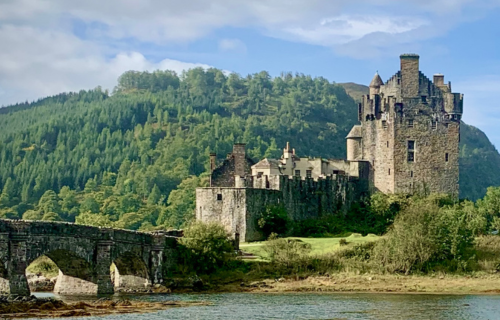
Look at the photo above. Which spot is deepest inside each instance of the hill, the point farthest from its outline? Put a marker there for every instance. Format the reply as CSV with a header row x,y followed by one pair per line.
x,y
356,91
478,156
133,159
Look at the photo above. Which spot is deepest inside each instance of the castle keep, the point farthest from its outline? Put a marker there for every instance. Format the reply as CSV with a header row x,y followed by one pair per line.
x,y
409,132
406,142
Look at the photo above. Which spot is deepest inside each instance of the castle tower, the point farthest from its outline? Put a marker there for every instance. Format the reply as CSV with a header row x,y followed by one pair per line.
x,y
409,132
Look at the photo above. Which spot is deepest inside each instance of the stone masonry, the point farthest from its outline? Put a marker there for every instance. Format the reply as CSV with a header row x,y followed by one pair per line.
x,y
409,132
84,255
406,142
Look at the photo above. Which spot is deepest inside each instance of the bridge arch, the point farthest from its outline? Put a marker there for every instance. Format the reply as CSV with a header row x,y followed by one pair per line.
x,y
73,257
76,274
131,271
82,249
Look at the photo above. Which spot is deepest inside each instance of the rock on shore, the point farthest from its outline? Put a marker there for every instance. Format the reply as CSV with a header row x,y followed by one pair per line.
x,y
32,307
39,283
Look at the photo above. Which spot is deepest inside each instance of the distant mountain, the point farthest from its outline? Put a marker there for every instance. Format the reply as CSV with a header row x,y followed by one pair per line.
x,y
479,159
356,91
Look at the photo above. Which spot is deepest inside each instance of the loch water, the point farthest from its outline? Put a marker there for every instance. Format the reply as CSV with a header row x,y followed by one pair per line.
x,y
232,306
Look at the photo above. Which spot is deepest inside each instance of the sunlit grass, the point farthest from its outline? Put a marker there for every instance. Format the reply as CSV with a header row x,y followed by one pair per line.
x,y
319,245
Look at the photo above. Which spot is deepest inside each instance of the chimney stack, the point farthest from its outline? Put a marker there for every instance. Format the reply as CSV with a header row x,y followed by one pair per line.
x,y
410,75
213,161
239,155
438,80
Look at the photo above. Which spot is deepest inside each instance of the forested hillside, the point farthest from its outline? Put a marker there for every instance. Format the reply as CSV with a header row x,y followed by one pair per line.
x,y
479,160
134,158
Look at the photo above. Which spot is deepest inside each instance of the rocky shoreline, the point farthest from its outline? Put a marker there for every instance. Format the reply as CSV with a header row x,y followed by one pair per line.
x,y
32,307
372,283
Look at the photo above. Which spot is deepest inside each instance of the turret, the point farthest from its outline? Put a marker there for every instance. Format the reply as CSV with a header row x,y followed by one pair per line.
x,y
354,141
375,85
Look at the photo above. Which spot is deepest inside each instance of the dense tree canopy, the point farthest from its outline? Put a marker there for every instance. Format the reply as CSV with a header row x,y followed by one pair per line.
x,y
133,159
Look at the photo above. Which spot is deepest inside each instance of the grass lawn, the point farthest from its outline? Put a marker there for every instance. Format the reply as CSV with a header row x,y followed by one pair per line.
x,y
319,245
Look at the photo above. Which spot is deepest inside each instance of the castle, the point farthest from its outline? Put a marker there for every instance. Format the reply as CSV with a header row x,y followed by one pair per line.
x,y
407,141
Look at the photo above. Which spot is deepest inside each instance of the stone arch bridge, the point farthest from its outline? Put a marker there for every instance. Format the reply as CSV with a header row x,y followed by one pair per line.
x,y
84,256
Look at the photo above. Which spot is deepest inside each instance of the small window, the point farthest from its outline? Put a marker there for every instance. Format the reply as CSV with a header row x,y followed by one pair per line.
x,y
219,197
389,171
446,157
309,174
411,145
411,151
424,99
433,125
384,124
410,123
260,174
411,156
297,173
411,174
387,144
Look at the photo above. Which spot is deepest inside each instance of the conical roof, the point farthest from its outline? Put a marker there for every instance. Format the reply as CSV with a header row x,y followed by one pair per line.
x,y
377,81
355,132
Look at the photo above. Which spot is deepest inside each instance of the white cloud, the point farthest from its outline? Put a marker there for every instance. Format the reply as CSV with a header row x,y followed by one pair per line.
x,y
35,64
171,20
235,45
41,55
344,29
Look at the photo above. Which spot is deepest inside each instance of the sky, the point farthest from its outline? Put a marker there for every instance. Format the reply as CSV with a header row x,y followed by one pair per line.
x,y
53,46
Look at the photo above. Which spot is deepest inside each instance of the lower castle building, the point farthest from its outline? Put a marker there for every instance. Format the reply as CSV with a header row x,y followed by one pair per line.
x,y
406,142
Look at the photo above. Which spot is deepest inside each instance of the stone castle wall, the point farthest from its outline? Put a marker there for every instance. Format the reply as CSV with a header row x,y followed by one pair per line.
x,y
431,171
226,206
238,209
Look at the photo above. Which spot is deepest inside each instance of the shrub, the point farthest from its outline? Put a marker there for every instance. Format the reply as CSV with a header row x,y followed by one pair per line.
x,y
342,242
286,252
207,247
324,226
32,215
361,252
274,220
43,266
495,224
488,253
425,235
